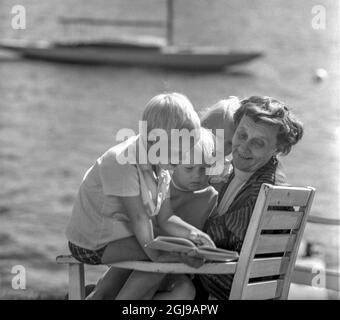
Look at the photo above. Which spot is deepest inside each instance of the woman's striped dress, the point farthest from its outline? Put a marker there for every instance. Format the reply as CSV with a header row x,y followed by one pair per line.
x,y
228,230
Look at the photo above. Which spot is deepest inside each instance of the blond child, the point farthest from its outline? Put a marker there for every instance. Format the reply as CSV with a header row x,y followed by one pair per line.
x,y
193,192
193,200
112,218
220,116
195,206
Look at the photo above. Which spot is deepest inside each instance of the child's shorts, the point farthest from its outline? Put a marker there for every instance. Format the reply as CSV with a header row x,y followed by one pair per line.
x,y
86,255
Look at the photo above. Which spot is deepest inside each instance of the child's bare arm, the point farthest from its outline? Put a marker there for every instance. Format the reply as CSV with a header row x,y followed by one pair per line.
x,y
171,223
176,227
141,223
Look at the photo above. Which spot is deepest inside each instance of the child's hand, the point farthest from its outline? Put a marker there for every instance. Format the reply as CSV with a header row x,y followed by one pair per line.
x,y
193,259
201,239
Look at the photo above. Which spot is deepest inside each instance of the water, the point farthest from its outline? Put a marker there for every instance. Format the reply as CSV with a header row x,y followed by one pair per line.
x,y
56,119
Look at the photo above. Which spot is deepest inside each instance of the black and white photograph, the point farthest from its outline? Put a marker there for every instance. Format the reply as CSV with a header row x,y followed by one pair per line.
x,y
175,150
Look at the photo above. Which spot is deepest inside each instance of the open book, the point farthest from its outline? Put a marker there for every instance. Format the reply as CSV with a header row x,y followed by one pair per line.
x,y
175,244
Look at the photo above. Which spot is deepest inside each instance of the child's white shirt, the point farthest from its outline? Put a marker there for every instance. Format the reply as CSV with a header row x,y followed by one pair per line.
x,y
98,215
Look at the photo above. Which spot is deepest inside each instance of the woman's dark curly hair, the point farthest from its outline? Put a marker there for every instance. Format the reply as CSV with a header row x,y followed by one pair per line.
x,y
272,112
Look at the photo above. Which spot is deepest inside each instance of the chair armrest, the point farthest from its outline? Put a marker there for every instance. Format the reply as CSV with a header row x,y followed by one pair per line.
x,y
174,267
67,259
304,274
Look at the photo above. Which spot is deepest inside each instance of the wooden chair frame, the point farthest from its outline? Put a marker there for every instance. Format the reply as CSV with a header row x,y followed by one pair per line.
x,y
250,265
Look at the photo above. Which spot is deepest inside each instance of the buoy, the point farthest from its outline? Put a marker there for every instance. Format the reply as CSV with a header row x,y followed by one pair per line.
x,y
320,75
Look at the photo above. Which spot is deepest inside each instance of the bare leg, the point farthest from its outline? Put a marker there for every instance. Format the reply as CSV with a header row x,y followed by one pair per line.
x,y
181,289
127,249
141,285
109,284
113,280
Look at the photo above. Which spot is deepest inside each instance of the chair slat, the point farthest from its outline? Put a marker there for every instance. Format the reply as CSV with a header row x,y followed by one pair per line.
x,y
262,290
272,243
275,220
262,267
292,197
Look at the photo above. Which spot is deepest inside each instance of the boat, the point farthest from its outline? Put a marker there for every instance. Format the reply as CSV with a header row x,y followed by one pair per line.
x,y
139,51
134,52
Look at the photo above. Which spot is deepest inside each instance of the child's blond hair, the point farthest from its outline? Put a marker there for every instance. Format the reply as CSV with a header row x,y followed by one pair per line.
x,y
204,149
170,111
220,114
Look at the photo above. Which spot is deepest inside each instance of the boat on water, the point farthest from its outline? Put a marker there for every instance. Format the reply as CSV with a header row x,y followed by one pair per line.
x,y
133,52
145,51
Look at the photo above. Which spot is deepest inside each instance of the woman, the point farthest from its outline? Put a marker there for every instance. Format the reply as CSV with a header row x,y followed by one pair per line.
x,y
265,128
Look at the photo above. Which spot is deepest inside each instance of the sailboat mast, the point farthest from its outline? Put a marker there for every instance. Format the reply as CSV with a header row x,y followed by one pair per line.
x,y
169,25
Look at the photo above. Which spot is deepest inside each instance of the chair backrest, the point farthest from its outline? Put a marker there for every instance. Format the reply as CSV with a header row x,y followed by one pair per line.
x,y
270,247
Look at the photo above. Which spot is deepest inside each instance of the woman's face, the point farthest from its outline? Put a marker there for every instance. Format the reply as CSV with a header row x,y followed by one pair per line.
x,y
253,144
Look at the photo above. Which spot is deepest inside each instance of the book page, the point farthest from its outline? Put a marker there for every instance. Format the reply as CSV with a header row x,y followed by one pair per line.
x,y
175,244
172,244
217,254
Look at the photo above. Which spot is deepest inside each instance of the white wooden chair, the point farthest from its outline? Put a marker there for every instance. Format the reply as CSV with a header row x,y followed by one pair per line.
x,y
76,277
269,249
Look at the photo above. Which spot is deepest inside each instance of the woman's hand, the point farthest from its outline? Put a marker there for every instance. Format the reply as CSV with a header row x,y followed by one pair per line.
x,y
201,239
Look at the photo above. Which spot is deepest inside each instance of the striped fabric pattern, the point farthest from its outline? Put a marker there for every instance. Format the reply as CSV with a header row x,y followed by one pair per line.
x,y
228,230
87,256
